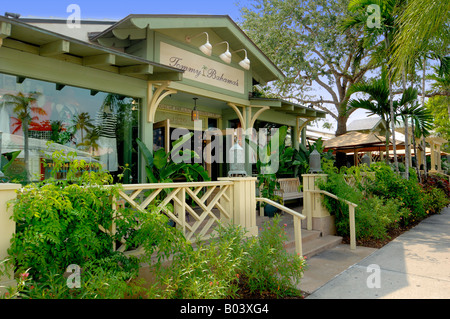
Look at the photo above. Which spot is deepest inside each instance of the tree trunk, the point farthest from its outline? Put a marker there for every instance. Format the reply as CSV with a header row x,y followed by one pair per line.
x,y
341,125
387,135
415,150
423,105
407,146
391,108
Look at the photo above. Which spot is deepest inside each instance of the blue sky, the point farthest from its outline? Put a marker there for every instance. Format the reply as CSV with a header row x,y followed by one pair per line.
x,y
118,9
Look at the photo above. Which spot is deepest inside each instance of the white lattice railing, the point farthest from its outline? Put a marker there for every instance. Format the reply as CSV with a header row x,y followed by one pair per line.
x,y
197,206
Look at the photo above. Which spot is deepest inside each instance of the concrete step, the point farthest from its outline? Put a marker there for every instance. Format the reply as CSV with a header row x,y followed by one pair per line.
x,y
316,245
307,236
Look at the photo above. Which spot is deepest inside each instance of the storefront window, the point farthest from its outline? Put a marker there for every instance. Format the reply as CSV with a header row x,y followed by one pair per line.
x,y
98,126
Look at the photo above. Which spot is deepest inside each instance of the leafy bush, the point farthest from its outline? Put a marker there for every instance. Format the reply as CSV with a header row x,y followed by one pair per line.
x,y
57,222
435,199
58,225
385,200
268,267
208,271
388,184
438,181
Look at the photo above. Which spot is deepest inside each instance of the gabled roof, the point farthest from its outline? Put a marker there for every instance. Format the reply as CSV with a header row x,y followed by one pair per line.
x,y
134,27
354,140
369,123
39,41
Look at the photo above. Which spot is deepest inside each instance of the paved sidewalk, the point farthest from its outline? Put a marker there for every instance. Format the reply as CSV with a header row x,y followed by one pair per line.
x,y
415,265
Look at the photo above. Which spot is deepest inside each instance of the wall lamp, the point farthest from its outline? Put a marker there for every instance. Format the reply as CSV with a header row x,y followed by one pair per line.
x,y
245,63
226,56
205,48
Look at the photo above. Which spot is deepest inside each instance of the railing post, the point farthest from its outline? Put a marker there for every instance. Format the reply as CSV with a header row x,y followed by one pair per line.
x,y
180,209
351,214
113,225
244,203
298,236
309,210
7,227
318,217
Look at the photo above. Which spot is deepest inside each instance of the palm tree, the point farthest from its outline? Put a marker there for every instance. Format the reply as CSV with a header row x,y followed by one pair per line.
x,y
420,117
23,104
379,102
419,22
83,122
386,30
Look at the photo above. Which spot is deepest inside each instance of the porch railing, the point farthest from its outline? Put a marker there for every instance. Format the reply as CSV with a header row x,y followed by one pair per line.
x,y
351,212
197,206
297,222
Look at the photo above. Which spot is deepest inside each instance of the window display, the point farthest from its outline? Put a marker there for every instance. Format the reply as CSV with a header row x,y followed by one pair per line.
x,y
98,126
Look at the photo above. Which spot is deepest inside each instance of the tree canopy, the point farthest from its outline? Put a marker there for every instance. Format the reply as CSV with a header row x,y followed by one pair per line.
x,y
303,39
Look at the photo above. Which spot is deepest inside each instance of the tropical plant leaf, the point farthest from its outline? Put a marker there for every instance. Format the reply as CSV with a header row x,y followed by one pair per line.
x,y
145,152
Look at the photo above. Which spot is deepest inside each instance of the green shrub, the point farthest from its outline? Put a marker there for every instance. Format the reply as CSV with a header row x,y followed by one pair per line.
x,y
228,263
435,200
208,271
388,184
268,267
58,225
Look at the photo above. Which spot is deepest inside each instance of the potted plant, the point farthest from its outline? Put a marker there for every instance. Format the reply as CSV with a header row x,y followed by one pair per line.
x,y
267,184
267,172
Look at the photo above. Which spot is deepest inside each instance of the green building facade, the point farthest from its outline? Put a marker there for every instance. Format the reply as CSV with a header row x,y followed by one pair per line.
x,y
98,88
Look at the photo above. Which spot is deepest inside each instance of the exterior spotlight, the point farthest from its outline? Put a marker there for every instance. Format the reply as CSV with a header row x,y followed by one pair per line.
x,y
205,48
226,56
245,64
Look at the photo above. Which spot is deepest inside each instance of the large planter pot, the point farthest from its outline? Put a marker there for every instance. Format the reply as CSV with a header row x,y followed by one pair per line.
x,y
270,210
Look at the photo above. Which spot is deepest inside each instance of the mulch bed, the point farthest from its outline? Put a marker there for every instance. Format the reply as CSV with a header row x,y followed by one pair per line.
x,y
245,293
378,243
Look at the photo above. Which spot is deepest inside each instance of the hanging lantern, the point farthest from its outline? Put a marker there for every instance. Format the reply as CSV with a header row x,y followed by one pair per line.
x,y
237,157
314,162
365,160
194,114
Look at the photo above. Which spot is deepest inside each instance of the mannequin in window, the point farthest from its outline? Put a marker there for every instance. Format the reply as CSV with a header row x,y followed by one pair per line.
x,y
107,141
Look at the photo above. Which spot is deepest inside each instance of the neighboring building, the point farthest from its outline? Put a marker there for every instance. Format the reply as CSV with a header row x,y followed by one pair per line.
x,y
143,76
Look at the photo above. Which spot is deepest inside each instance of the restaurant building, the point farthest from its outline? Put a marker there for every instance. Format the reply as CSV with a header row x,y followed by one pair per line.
x,y
141,77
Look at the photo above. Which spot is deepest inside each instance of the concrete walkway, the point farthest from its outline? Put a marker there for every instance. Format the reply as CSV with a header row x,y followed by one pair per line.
x,y
415,265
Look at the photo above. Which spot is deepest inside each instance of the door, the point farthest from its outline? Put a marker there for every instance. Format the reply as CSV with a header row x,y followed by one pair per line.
x,y
161,135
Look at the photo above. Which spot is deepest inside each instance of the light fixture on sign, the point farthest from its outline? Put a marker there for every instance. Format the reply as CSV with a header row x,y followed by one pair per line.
x,y
205,48
226,56
194,114
245,63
